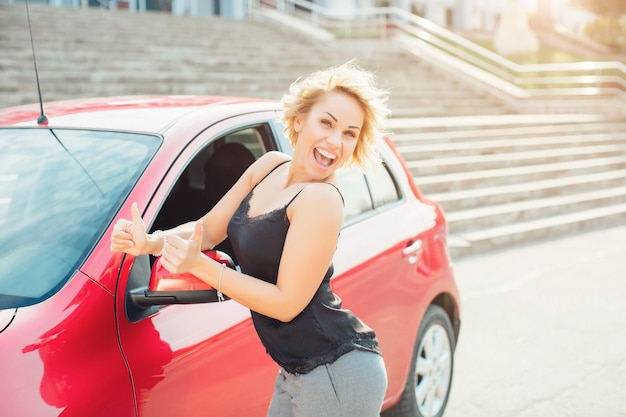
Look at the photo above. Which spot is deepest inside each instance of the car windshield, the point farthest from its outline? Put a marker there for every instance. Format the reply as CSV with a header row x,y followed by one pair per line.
x,y
59,190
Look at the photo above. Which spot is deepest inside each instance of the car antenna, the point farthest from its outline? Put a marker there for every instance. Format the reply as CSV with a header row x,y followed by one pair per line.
x,y
81,166
42,120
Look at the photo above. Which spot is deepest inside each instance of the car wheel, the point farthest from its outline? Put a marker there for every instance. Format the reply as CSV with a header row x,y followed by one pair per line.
x,y
428,386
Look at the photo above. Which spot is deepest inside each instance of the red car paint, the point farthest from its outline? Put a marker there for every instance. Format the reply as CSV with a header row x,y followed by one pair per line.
x,y
78,353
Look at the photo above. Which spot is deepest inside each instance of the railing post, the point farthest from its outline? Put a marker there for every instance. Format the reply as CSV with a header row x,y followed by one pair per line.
x,y
382,19
137,5
253,6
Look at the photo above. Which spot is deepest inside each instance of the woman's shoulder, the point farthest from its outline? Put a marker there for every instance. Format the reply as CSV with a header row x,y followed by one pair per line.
x,y
316,195
323,192
271,159
267,162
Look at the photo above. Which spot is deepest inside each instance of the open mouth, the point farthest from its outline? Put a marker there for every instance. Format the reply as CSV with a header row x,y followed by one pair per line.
x,y
324,158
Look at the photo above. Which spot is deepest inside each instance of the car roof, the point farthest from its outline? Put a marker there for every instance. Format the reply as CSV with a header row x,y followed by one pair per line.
x,y
150,114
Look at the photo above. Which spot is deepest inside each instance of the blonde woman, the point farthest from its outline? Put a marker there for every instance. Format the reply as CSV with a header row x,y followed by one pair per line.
x,y
283,218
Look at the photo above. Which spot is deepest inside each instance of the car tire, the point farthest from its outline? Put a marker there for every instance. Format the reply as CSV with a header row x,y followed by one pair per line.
x,y
428,385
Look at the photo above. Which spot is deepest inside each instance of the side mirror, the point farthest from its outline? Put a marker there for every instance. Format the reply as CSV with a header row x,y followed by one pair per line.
x,y
166,288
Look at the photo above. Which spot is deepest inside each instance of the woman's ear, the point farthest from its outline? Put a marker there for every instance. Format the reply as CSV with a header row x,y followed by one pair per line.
x,y
297,124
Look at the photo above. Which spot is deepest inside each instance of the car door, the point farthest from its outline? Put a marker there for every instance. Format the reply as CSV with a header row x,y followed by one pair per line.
x,y
378,256
197,359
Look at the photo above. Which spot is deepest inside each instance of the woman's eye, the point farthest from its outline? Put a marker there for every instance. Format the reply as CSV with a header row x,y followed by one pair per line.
x,y
351,134
326,122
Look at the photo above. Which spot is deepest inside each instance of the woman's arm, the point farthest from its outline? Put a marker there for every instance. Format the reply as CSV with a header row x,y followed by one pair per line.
x,y
315,220
130,235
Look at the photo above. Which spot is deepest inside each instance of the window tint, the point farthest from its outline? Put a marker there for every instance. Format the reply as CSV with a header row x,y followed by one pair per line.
x,y
194,177
355,193
250,138
383,186
58,190
365,192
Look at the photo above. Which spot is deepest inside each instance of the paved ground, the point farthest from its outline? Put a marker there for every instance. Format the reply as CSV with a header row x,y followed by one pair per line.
x,y
544,330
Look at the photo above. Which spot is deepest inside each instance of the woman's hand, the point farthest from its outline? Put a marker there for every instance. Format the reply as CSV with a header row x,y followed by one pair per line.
x,y
130,236
183,255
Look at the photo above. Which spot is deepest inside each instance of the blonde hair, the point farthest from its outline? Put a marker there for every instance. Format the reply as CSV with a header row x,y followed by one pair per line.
x,y
349,78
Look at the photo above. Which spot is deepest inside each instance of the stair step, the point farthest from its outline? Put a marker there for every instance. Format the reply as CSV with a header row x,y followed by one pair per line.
x,y
500,176
482,121
489,239
466,221
452,201
424,167
470,134
509,143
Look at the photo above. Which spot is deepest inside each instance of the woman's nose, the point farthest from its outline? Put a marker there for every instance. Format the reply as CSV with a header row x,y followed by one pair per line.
x,y
334,138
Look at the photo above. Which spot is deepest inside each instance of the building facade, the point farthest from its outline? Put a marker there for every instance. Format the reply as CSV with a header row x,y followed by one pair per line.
x,y
235,9
458,15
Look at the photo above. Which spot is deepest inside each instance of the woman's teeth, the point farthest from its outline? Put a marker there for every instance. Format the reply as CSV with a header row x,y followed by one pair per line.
x,y
325,158
326,154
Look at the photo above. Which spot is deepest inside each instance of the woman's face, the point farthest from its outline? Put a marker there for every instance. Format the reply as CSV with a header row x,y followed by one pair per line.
x,y
328,134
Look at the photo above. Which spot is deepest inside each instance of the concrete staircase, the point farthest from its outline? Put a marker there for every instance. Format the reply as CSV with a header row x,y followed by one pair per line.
x,y
94,52
503,179
508,180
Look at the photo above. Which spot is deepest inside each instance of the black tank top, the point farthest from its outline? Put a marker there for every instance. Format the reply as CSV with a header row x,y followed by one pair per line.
x,y
323,331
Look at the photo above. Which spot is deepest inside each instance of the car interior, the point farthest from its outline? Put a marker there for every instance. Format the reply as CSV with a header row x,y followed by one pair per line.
x,y
217,167
209,175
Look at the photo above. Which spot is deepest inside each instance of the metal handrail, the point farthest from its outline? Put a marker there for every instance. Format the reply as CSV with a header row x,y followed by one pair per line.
x,y
421,35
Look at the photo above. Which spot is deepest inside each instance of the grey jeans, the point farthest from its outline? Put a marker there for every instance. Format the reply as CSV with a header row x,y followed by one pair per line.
x,y
352,386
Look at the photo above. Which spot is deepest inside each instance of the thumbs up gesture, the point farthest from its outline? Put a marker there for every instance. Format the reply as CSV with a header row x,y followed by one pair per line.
x,y
182,255
130,236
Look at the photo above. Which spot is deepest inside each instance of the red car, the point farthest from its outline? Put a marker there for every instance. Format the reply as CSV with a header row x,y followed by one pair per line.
x,y
87,332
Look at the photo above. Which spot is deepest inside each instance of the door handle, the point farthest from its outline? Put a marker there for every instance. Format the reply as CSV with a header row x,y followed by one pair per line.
x,y
413,251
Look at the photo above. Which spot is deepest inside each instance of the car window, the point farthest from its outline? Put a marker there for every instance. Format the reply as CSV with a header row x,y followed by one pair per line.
x,y
383,186
250,138
194,176
281,139
209,175
355,193
59,190
365,192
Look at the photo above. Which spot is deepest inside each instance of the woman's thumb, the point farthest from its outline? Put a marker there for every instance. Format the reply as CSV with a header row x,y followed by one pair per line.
x,y
198,231
134,212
